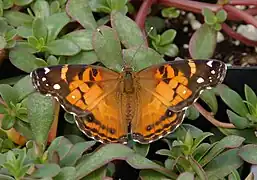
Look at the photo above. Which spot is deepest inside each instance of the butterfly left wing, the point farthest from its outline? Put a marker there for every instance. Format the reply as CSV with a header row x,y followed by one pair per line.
x,y
167,90
91,93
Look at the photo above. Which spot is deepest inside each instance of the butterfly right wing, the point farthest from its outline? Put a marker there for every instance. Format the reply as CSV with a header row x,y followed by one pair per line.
x,y
91,93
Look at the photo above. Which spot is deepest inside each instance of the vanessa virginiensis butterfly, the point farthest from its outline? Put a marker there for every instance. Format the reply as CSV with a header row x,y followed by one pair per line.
x,y
149,104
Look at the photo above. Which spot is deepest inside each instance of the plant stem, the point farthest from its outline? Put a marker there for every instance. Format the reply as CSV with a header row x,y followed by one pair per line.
x,y
243,2
210,118
238,36
143,12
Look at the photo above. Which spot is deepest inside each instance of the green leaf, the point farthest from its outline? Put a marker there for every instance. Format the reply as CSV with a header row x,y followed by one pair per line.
x,y
39,29
200,138
217,27
186,176
168,50
248,134
209,16
234,175
98,174
140,58
141,149
221,16
119,5
24,129
75,153
170,12
238,121
139,162
7,4
148,174
5,177
55,7
40,115
7,122
3,26
197,168
10,34
83,38
208,96
63,47
249,153
224,164
128,31
46,170
33,41
67,173
24,87
22,2
167,37
201,151
101,157
2,110
107,47
203,42
81,12
25,60
231,141
55,23
52,60
41,8
24,31
9,94
83,57
232,99
16,18
192,113
154,21
3,42
251,98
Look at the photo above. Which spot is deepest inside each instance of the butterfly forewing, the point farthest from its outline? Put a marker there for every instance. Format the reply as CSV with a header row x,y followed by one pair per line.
x,y
166,90
88,92
178,84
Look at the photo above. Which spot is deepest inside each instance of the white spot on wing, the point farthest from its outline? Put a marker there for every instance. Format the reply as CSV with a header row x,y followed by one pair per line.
x,y
43,79
47,70
57,86
213,72
200,80
209,63
47,85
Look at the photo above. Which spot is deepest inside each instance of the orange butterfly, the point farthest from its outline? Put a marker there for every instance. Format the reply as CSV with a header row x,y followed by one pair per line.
x,y
149,104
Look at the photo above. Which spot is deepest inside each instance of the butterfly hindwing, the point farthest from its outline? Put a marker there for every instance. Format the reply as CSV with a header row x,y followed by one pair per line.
x,y
88,92
166,90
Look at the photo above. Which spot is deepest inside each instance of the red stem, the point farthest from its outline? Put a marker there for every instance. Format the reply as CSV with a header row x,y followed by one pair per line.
x,y
143,12
189,5
243,2
243,15
238,36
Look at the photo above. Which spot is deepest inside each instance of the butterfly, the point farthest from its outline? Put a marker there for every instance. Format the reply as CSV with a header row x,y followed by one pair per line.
x,y
148,104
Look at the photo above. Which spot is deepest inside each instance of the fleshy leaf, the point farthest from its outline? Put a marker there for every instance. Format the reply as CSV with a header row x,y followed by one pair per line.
x,y
83,57
55,23
140,58
208,96
9,94
24,87
238,121
248,134
232,99
41,8
80,11
231,141
197,168
223,164
251,98
25,60
249,153
83,38
100,157
141,149
16,18
151,175
128,31
46,170
107,47
63,47
40,115
203,42
186,176
39,29
67,173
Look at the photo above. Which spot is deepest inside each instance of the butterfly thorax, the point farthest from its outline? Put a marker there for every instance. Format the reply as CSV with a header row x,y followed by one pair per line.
x,y
128,81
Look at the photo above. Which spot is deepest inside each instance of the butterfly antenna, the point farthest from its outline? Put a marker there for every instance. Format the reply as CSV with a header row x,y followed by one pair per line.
x,y
145,39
